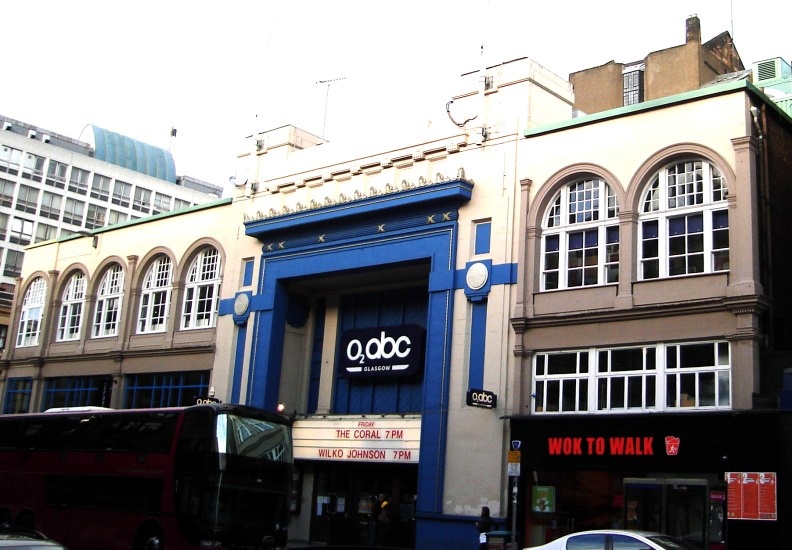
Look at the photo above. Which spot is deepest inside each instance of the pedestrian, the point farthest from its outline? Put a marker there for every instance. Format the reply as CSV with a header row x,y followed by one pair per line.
x,y
484,526
374,503
384,520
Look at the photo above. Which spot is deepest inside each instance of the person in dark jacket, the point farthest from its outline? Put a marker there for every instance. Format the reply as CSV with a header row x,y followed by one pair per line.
x,y
484,526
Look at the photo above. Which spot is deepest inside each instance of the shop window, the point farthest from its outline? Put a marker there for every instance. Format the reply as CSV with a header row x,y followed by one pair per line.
x,y
636,379
76,391
165,389
17,396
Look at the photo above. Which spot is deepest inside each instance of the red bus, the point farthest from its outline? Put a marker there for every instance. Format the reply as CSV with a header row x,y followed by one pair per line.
x,y
212,475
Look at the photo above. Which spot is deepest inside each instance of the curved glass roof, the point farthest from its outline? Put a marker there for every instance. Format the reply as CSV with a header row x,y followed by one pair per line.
x,y
133,154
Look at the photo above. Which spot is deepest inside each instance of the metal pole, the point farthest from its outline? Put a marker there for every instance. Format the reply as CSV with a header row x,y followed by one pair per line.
x,y
514,513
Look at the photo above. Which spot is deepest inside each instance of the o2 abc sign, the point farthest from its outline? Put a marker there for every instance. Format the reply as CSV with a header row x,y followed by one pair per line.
x,y
482,398
381,351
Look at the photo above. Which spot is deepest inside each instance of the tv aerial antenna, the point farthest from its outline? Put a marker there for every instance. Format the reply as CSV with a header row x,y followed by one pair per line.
x,y
327,96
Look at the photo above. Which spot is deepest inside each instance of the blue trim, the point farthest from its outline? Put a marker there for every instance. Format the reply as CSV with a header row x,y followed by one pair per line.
x,y
239,363
478,333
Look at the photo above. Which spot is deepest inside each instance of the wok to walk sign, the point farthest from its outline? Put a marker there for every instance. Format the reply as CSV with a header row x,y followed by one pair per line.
x,y
752,495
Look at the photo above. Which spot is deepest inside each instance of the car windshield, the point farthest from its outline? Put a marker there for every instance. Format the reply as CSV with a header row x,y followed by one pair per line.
x,y
671,543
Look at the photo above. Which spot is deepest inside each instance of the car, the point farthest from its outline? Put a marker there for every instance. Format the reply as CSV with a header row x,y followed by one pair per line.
x,y
26,539
616,539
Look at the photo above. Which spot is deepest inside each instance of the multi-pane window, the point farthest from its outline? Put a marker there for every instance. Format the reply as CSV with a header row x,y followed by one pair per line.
x,y
10,159
21,231
115,217
162,203
633,88
33,167
13,263
636,379
96,216
73,211
580,237
31,314
71,311
45,232
100,188
18,394
78,182
27,199
56,174
50,205
108,303
142,200
122,192
155,297
684,227
3,226
76,391
164,389
202,290
3,336
178,204
6,192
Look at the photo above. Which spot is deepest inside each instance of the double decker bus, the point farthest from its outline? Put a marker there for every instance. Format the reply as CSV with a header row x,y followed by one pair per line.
x,y
210,475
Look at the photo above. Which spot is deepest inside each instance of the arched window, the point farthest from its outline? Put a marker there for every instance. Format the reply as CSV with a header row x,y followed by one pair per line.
x,y
108,303
580,237
202,290
156,296
31,315
71,310
684,222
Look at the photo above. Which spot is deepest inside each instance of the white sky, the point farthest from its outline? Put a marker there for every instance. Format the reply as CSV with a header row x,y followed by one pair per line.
x,y
217,70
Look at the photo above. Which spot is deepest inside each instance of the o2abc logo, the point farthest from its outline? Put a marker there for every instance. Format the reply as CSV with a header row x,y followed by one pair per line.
x,y
381,351
482,398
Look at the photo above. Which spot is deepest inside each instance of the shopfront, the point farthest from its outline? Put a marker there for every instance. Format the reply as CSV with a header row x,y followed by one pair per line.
x,y
718,480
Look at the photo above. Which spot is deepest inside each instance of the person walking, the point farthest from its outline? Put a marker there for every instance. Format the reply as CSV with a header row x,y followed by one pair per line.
x,y
484,526
384,521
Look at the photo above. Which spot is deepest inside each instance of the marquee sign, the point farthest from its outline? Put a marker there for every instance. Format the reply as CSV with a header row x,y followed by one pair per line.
x,y
381,351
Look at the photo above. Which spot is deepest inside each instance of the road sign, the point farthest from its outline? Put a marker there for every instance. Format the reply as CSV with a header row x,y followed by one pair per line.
x,y
514,469
514,457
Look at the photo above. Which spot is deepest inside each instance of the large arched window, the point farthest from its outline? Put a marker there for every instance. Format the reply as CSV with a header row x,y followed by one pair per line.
x,y
580,237
202,290
156,296
31,315
71,310
684,222
109,298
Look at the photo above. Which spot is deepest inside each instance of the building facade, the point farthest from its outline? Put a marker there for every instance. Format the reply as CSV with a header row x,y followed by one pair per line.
x,y
661,73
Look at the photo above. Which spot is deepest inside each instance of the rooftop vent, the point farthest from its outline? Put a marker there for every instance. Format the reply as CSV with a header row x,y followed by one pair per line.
x,y
771,69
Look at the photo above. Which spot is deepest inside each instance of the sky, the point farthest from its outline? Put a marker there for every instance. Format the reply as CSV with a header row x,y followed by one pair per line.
x,y
341,69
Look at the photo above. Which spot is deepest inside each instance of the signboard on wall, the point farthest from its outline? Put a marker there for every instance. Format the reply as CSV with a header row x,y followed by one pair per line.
x,y
381,351
751,495
362,439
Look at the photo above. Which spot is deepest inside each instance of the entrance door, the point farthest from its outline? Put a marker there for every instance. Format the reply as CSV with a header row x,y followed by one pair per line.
x,y
678,507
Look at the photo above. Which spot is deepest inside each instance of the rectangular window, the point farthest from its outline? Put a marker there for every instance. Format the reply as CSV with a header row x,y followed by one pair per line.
x,y
142,200
77,391
3,336
720,240
27,199
162,203
6,192
45,232
18,394
116,217
582,258
686,244
100,188
73,212
483,236
50,206
122,192
56,174
612,254
639,379
78,183
33,167
96,216
13,263
179,204
3,226
21,231
10,159
550,262
633,87
168,389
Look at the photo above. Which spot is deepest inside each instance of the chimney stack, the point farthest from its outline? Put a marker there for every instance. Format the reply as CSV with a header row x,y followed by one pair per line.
x,y
693,29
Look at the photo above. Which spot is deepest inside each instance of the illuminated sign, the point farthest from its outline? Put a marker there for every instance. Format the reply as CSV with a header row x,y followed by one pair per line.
x,y
381,351
482,398
363,439
610,446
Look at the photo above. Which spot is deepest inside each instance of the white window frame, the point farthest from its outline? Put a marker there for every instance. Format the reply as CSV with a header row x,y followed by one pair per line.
x,y
667,377
202,290
672,240
71,309
109,302
32,313
155,297
585,210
